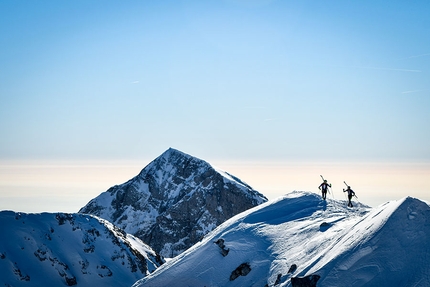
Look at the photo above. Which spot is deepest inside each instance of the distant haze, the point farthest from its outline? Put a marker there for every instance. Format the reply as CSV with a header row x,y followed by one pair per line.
x,y
68,186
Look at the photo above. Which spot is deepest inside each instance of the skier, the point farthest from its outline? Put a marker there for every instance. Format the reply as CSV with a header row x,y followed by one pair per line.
x,y
351,193
324,187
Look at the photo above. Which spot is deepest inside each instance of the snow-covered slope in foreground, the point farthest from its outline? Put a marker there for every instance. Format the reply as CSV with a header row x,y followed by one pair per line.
x,y
302,236
58,249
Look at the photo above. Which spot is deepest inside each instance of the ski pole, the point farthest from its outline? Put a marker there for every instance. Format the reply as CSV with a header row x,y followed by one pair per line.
x,y
357,198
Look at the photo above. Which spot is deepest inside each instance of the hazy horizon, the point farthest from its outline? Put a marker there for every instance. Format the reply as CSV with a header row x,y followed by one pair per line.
x,y
66,186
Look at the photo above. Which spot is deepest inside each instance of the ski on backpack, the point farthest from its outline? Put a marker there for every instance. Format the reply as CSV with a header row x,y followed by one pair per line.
x,y
324,187
350,193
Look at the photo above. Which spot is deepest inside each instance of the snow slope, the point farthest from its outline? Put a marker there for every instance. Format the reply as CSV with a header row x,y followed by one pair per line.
x,y
360,246
58,249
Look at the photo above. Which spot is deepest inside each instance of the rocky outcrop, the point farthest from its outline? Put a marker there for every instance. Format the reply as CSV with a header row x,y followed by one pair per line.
x,y
292,268
242,270
174,202
224,251
307,281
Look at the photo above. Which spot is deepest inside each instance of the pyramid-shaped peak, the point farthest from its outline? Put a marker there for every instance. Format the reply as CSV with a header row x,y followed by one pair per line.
x,y
174,152
173,161
174,201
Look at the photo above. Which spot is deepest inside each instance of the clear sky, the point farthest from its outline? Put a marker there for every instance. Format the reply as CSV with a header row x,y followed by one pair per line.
x,y
227,81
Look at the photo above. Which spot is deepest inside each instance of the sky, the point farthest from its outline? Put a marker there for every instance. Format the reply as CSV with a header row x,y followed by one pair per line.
x,y
260,87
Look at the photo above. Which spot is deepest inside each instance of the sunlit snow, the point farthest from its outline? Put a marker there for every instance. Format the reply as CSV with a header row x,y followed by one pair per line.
x,y
359,246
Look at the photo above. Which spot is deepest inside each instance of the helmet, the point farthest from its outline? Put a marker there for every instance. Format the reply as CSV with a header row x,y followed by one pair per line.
x,y
325,180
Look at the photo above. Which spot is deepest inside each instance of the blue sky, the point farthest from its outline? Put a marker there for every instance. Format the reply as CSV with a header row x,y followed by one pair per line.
x,y
226,80
221,79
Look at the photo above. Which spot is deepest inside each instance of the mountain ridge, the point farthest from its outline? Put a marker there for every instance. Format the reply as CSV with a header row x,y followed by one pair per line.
x,y
301,236
174,201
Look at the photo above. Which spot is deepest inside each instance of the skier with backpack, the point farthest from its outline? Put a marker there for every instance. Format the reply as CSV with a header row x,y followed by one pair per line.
x,y
324,188
351,193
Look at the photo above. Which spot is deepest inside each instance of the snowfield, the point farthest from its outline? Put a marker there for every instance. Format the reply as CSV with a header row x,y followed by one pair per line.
x,y
301,235
60,249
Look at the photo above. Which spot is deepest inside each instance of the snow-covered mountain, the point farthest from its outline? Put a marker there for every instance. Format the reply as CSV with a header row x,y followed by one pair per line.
x,y
174,202
59,249
301,240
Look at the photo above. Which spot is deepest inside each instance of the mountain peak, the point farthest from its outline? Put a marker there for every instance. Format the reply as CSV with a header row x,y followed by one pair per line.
x,y
174,201
172,161
173,152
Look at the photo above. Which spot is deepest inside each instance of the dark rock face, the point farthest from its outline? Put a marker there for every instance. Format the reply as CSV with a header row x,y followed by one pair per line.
x,y
174,202
242,270
307,281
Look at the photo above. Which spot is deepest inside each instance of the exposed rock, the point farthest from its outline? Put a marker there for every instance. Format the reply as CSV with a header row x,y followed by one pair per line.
x,y
19,274
104,271
242,270
292,268
71,281
307,281
174,202
278,279
220,243
324,226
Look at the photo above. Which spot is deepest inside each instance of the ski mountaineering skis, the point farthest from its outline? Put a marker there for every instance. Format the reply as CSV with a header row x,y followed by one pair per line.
x,y
354,192
328,187
350,193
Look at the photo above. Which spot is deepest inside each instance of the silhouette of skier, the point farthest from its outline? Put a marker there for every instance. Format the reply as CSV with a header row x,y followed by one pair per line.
x,y
324,187
351,193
